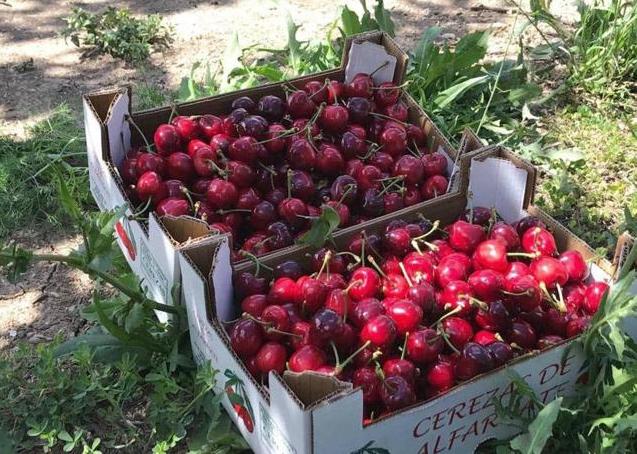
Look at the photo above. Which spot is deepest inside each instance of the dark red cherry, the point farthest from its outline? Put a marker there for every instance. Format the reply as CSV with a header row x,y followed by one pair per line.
x,y
361,85
367,379
501,352
246,338
396,393
288,268
435,164
316,90
271,107
326,324
458,330
210,125
333,118
424,346
465,237
365,310
329,160
244,102
386,94
167,139
148,185
393,141
522,334
526,223
254,304
300,105
474,359
434,186
507,234
150,162
222,194
495,318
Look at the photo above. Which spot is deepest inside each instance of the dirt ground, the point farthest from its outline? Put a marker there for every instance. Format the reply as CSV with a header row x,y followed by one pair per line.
x,y
38,71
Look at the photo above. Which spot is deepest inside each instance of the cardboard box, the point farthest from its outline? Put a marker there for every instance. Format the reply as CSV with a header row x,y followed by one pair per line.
x,y
310,413
150,247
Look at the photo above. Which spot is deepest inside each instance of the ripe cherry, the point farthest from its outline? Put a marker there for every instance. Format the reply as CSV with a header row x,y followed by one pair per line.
x,y
244,102
548,271
326,324
474,359
316,90
301,155
361,85
465,237
380,331
358,109
424,346
401,368
396,393
522,334
386,94
575,265
284,290
366,379
271,107
246,338
244,149
486,284
484,337
334,118
528,222
406,315
577,326
523,293
501,352
495,318
593,296
411,168
246,284
210,125
262,215
456,295
222,194
434,186
167,139
271,358
491,254
440,375
539,241
173,206
364,283
452,267
393,141
365,310
338,301
477,215
148,184
288,268
293,211
458,330
300,105
308,357
397,241
254,304
329,160
506,233
434,164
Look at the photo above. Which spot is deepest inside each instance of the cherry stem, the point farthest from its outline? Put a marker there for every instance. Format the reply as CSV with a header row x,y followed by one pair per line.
x,y
476,302
354,256
142,210
269,327
557,304
352,284
444,316
379,68
363,241
403,85
386,117
173,111
498,337
234,210
404,350
524,293
204,216
213,166
186,192
281,135
289,176
433,228
445,337
327,258
338,369
373,262
336,357
523,254
256,261
405,274
348,189
130,120
270,170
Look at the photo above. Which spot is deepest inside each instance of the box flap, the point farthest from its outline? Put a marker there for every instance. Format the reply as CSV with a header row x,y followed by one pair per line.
x,y
368,58
221,278
470,142
312,387
498,183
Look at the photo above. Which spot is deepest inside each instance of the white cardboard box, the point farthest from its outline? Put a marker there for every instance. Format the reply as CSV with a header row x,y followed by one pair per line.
x,y
310,413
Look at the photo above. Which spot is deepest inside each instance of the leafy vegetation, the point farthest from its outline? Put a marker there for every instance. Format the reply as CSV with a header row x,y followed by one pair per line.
x,y
116,32
129,383
27,172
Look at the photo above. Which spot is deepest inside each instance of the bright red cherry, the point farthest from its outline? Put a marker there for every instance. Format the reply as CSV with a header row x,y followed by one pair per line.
x,y
523,293
386,94
148,185
380,331
173,206
441,376
210,125
254,304
484,337
410,168
593,296
187,128
456,295
453,267
434,164
313,294
308,357
393,141
271,358
406,315
364,283
434,186
491,254
539,241
575,265
516,269
548,271
284,290
339,301
465,237
506,233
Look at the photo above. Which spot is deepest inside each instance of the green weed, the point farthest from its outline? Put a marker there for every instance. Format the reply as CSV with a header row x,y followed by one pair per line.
x,y
117,33
27,189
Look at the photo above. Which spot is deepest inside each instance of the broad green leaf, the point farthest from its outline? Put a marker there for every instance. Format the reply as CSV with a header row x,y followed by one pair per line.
x,y
383,18
470,50
322,228
540,430
65,436
349,22
106,349
449,95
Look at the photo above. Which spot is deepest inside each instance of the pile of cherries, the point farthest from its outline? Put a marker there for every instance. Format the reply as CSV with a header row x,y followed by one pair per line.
x,y
265,170
409,313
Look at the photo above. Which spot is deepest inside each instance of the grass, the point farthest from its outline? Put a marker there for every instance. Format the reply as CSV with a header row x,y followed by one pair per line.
x,y
589,195
28,167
